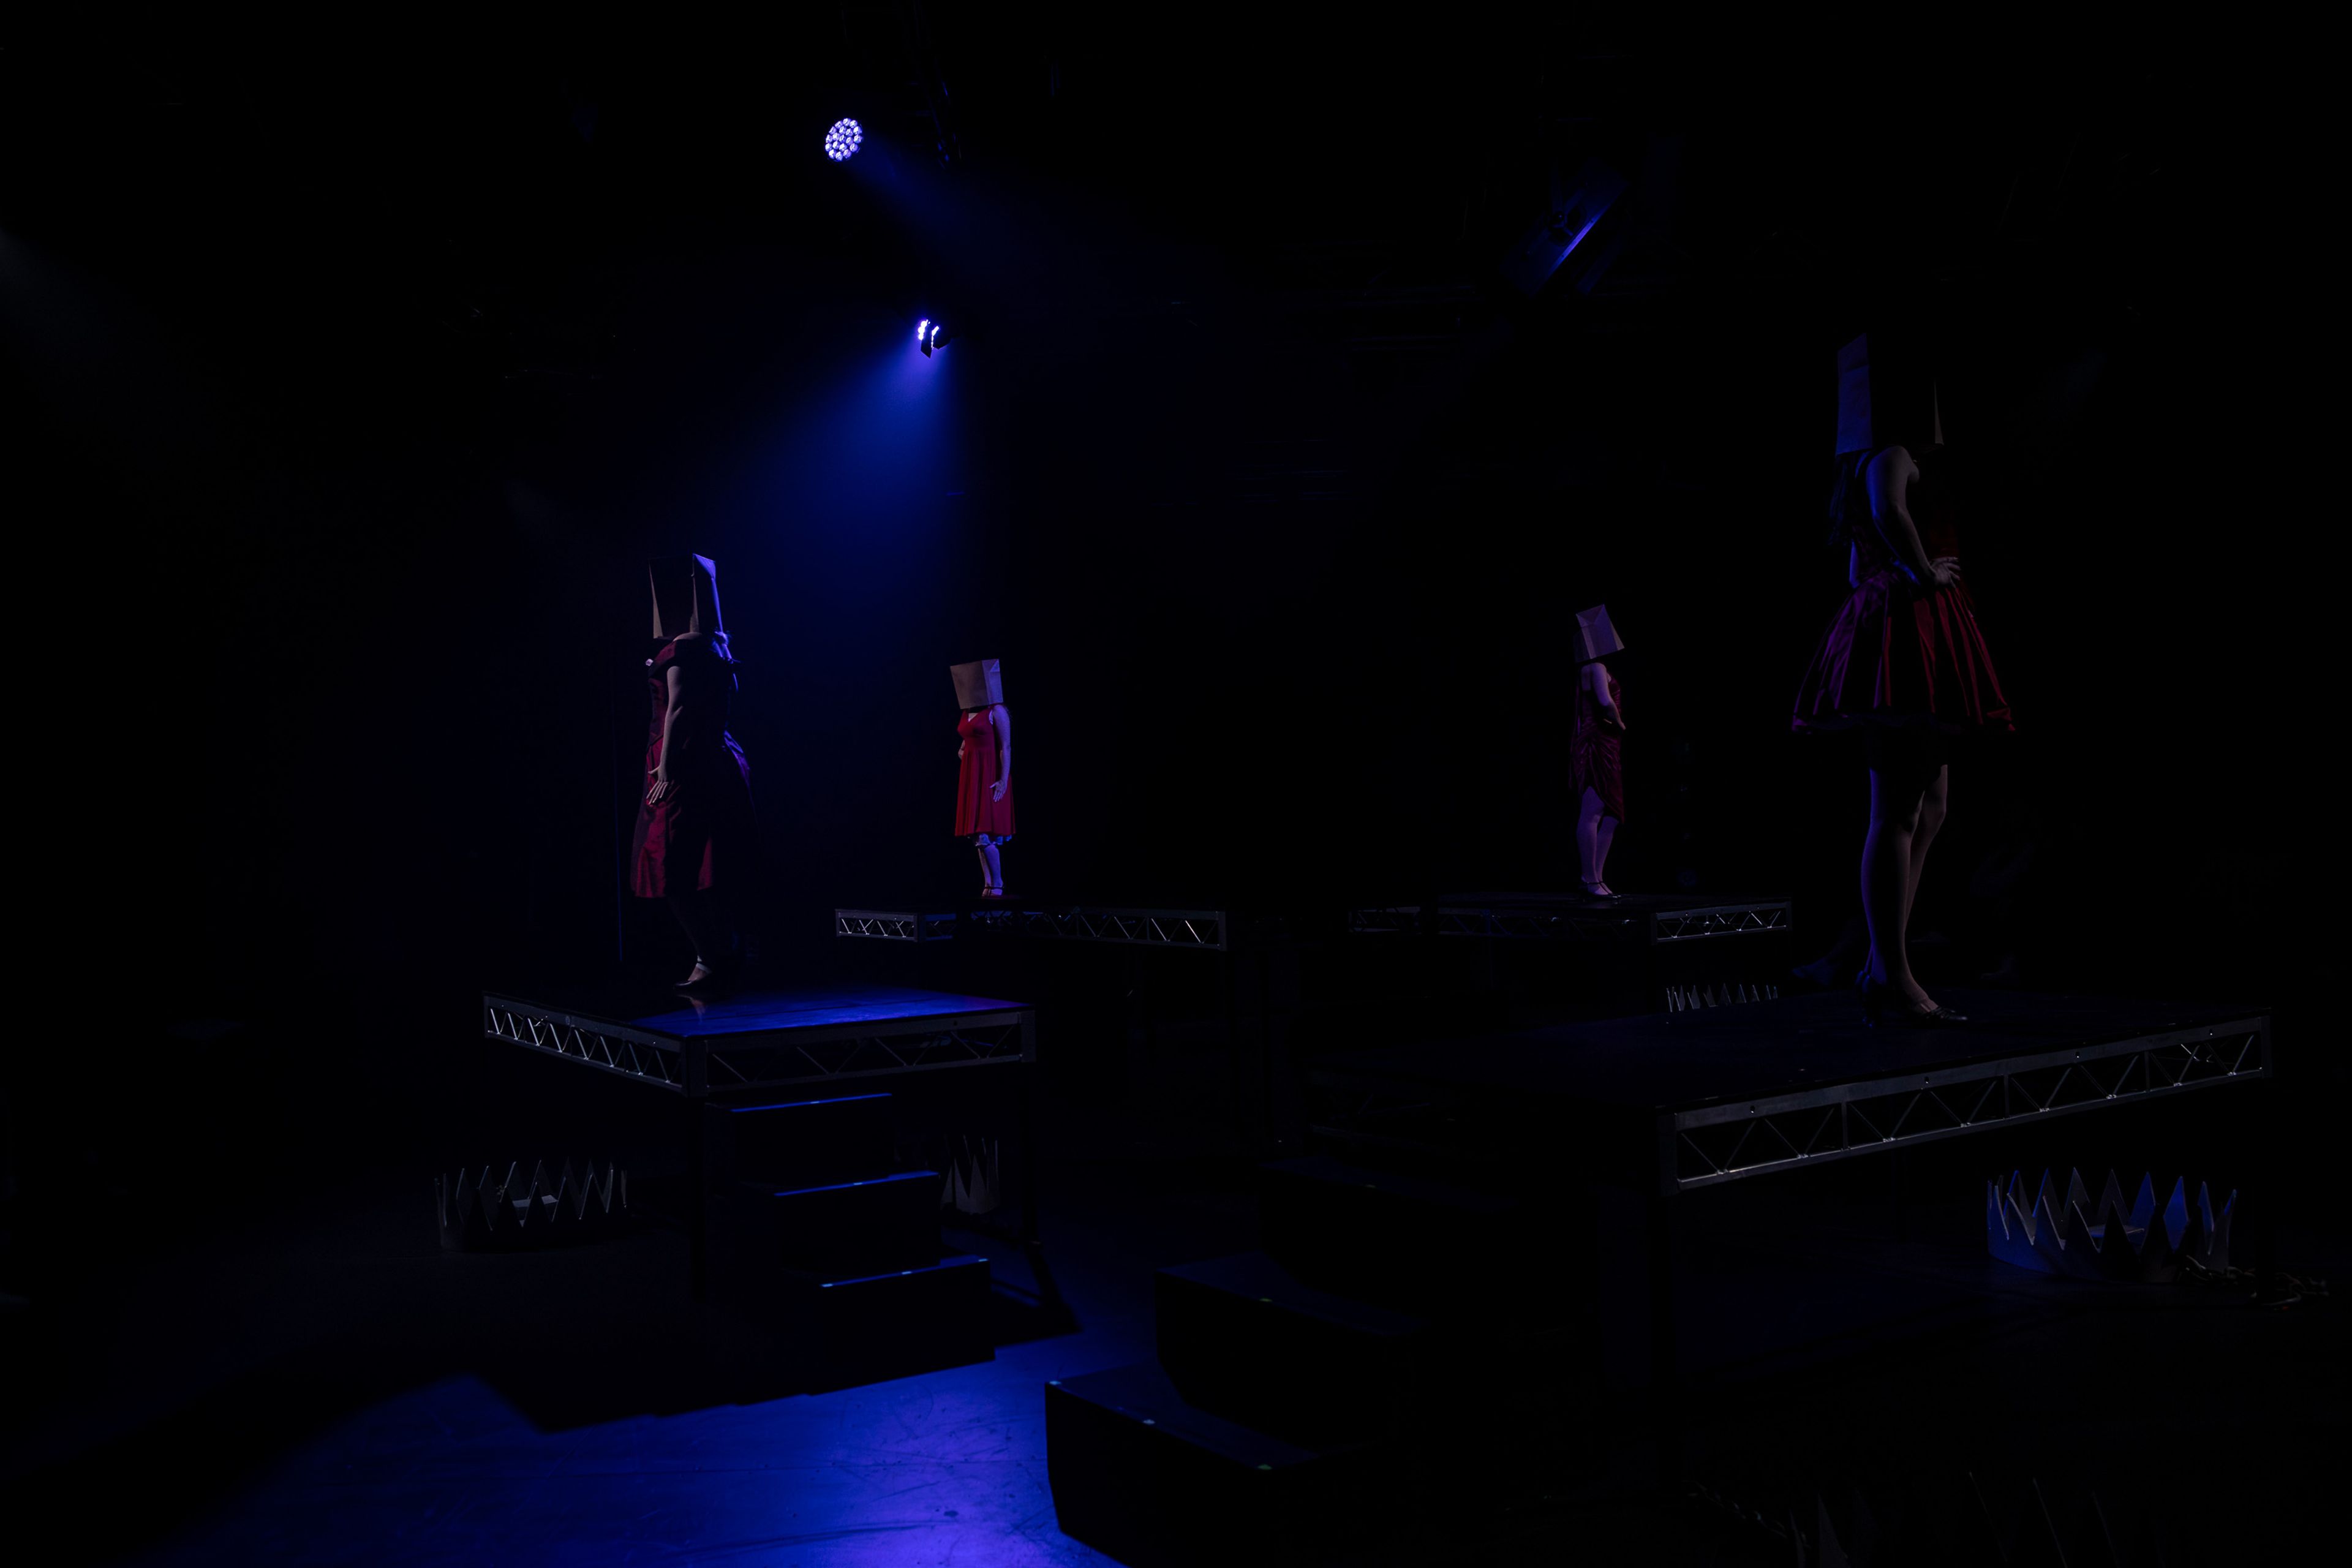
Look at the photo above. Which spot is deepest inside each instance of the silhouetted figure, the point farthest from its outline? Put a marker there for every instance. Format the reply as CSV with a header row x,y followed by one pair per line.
x,y
985,767
1595,749
1902,662
696,835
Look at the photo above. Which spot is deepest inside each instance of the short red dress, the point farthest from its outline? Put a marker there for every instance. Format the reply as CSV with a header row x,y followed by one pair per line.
x,y
703,834
976,811
1595,759
1895,656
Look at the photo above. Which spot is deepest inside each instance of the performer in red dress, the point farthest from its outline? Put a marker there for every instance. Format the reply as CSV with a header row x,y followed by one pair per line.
x,y
1596,770
984,773
1902,662
694,841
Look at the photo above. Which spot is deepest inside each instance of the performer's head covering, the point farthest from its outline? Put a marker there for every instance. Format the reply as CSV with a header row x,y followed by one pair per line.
x,y
685,597
1887,396
980,684
1596,636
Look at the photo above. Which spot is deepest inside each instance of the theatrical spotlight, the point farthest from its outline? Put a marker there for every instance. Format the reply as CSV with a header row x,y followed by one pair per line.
x,y
841,142
930,335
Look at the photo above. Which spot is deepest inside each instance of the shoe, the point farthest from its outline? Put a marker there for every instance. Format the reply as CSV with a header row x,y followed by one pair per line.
x,y
991,892
1599,898
1882,1007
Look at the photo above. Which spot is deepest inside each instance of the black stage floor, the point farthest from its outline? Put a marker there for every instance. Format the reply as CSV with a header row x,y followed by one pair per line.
x,y
1701,1097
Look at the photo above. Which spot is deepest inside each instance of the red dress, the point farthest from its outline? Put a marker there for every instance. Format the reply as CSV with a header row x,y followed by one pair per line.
x,y
702,833
1894,655
1595,759
976,811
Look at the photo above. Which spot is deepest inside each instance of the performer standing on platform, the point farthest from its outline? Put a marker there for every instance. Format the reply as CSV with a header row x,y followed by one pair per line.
x,y
1902,662
1596,767
985,777
695,833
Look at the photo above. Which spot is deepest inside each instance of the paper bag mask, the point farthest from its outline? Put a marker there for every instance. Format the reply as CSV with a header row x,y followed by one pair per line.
x,y
1884,399
686,597
1595,635
980,684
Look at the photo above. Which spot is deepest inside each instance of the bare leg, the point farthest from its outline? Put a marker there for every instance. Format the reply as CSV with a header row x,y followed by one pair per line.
x,y
705,927
980,849
1886,861
991,870
1604,834
1935,803
1587,839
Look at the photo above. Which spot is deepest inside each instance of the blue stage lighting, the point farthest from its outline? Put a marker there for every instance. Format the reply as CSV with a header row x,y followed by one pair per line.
x,y
930,335
841,142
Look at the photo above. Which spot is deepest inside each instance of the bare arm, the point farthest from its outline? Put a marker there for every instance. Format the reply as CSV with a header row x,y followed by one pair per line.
x,y
1002,722
1596,680
663,784
1888,481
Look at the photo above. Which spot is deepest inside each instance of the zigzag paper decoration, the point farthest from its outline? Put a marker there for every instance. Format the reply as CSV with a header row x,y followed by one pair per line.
x,y
972,1184
479,1213
1686,998
2054,1235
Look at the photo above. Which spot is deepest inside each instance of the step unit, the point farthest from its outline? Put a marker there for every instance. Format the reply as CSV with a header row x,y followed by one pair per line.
x,y
1244,1339
896,1323
1140,1474
835,1230
801,1142
1400,1241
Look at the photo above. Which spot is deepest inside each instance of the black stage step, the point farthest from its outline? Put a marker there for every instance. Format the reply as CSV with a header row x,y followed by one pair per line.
x,y
899,1322
1241,1338
1141,1474
837,1229
804,1142
1398,1240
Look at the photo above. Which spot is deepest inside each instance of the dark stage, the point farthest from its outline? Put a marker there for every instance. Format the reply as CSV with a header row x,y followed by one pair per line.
x,y
750,746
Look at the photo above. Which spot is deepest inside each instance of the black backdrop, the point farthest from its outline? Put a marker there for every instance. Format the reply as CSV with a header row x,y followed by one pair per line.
x,y
350,387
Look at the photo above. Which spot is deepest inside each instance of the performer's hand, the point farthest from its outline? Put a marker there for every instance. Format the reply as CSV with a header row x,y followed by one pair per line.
x,y
661,791
1611,717
1942,572
996,790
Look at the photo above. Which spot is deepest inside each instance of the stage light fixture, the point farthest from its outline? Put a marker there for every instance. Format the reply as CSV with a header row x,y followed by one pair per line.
x,y
841,142
930,335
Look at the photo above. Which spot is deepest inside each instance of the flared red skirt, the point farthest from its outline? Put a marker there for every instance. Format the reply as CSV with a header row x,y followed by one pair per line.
x,y
1893,656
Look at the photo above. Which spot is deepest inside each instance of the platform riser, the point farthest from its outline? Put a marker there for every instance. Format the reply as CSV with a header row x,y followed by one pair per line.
x,y
1152,1499
804,1143
899,1325
1298,1376
835,1231
1391,1244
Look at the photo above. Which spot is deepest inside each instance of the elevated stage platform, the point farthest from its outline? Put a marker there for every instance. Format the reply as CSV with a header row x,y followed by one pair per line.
x,y
1640,952
840,1054
761,1039
1668,1103
893,925
1569,917
1202,930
